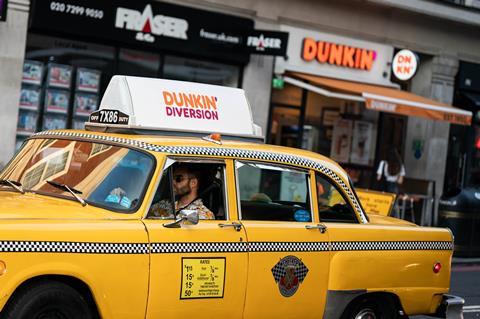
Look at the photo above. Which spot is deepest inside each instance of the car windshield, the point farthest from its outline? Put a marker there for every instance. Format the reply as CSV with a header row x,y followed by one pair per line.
x,y
104,175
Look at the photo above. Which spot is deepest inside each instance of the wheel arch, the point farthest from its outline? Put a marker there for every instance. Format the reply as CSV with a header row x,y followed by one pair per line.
x,y
339,302
384,296
80,286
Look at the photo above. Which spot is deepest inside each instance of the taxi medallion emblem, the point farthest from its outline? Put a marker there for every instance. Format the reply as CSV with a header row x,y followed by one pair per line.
x,y
289,273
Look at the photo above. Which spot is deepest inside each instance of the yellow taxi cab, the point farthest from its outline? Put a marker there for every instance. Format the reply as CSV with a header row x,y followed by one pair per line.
x,y
146,215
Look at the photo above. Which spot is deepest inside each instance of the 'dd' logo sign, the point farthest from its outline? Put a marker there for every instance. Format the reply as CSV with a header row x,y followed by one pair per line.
x,y
289,273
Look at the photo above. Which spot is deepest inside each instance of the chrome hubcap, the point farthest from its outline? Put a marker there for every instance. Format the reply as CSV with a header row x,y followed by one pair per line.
x,y
366,314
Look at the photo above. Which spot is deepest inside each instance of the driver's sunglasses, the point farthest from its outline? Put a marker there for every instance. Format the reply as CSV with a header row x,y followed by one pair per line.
x,y
179,178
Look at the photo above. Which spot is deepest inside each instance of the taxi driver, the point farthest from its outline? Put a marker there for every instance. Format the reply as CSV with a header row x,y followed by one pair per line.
x,y
186,184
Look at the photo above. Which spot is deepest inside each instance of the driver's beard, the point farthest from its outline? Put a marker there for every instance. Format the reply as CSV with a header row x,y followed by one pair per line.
x,y
182,191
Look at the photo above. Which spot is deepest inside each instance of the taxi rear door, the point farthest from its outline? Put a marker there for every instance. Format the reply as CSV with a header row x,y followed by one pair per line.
x,y
198,269
288,252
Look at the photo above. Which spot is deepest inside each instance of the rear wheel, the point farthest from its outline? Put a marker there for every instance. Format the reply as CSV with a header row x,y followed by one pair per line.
x,y
48,300
371,308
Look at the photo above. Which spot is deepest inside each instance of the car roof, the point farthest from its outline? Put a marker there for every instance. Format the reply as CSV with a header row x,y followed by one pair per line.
x,y
193,145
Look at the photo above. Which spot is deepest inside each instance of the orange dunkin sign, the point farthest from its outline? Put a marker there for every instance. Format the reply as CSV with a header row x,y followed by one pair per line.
x,y
190,105
338,54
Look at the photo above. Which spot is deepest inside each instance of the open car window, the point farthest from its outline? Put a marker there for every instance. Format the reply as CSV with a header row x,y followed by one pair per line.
x,y
105,175
332,205
274,193
178,190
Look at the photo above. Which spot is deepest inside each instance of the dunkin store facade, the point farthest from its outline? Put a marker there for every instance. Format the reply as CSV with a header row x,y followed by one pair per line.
x,y
341,98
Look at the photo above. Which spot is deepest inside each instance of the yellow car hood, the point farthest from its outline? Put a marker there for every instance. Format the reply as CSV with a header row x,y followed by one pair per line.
x,y
14,205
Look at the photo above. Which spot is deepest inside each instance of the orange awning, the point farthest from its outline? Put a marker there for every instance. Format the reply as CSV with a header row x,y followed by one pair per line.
x,y
384,99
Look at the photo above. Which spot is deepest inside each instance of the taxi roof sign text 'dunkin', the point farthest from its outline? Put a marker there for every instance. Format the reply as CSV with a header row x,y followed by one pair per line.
x,y
150,104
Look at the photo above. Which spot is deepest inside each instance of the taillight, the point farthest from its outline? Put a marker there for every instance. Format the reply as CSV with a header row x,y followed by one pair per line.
x,y
437,267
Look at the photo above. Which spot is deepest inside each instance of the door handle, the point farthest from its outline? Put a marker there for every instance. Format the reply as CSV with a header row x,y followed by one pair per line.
x,y
236,226
322,228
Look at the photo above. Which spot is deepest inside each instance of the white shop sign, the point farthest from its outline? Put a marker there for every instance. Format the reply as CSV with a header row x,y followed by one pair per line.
x,y
404,65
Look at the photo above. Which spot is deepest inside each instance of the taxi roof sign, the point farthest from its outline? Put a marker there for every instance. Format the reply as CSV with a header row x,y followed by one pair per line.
x,y
165,105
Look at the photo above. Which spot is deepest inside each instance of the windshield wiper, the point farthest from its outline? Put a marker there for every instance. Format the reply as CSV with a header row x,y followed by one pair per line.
x,y
69,189
14,184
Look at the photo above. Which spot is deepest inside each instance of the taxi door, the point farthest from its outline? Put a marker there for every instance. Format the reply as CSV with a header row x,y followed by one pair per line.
x,y
200,269
288,251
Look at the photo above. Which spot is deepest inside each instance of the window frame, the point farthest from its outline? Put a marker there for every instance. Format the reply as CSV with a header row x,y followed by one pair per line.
x,y
280,166
168,162
341,192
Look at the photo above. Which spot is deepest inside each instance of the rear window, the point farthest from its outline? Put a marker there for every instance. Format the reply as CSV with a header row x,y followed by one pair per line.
x,y
274,193
104,175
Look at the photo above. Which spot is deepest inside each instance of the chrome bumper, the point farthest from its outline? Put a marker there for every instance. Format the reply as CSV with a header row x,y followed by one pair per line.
x,y
451,307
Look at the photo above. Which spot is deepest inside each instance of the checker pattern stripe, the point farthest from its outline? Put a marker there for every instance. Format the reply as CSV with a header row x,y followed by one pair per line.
x,y
73,247
287,246
169,248
392,245
219,247
219,151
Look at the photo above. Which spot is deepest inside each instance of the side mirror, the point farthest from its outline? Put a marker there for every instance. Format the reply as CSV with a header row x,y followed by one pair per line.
x,y
186,216
189,217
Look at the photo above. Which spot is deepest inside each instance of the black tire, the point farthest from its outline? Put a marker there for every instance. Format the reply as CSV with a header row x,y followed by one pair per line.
x,y
371,308
48,300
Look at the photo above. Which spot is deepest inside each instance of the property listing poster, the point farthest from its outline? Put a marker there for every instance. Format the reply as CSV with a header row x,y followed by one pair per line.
x,y
59,75
30,98
362,143
32,72
341,141
88,80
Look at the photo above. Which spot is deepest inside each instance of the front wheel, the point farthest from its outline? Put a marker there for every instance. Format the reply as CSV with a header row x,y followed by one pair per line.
x,y
48,300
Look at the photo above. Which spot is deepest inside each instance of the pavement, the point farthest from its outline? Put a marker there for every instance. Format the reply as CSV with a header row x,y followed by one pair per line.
x,y
465,282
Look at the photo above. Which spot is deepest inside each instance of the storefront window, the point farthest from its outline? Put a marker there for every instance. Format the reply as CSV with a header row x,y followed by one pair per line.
x,y
193,70
138,63
62,82
286,114
75,54
343,130
322,114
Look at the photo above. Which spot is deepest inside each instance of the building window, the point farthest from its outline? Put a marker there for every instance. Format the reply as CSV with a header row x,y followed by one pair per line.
x,y
193,70
138,63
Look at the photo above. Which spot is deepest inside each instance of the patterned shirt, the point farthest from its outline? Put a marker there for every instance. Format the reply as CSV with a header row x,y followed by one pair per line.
x,y
163,209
